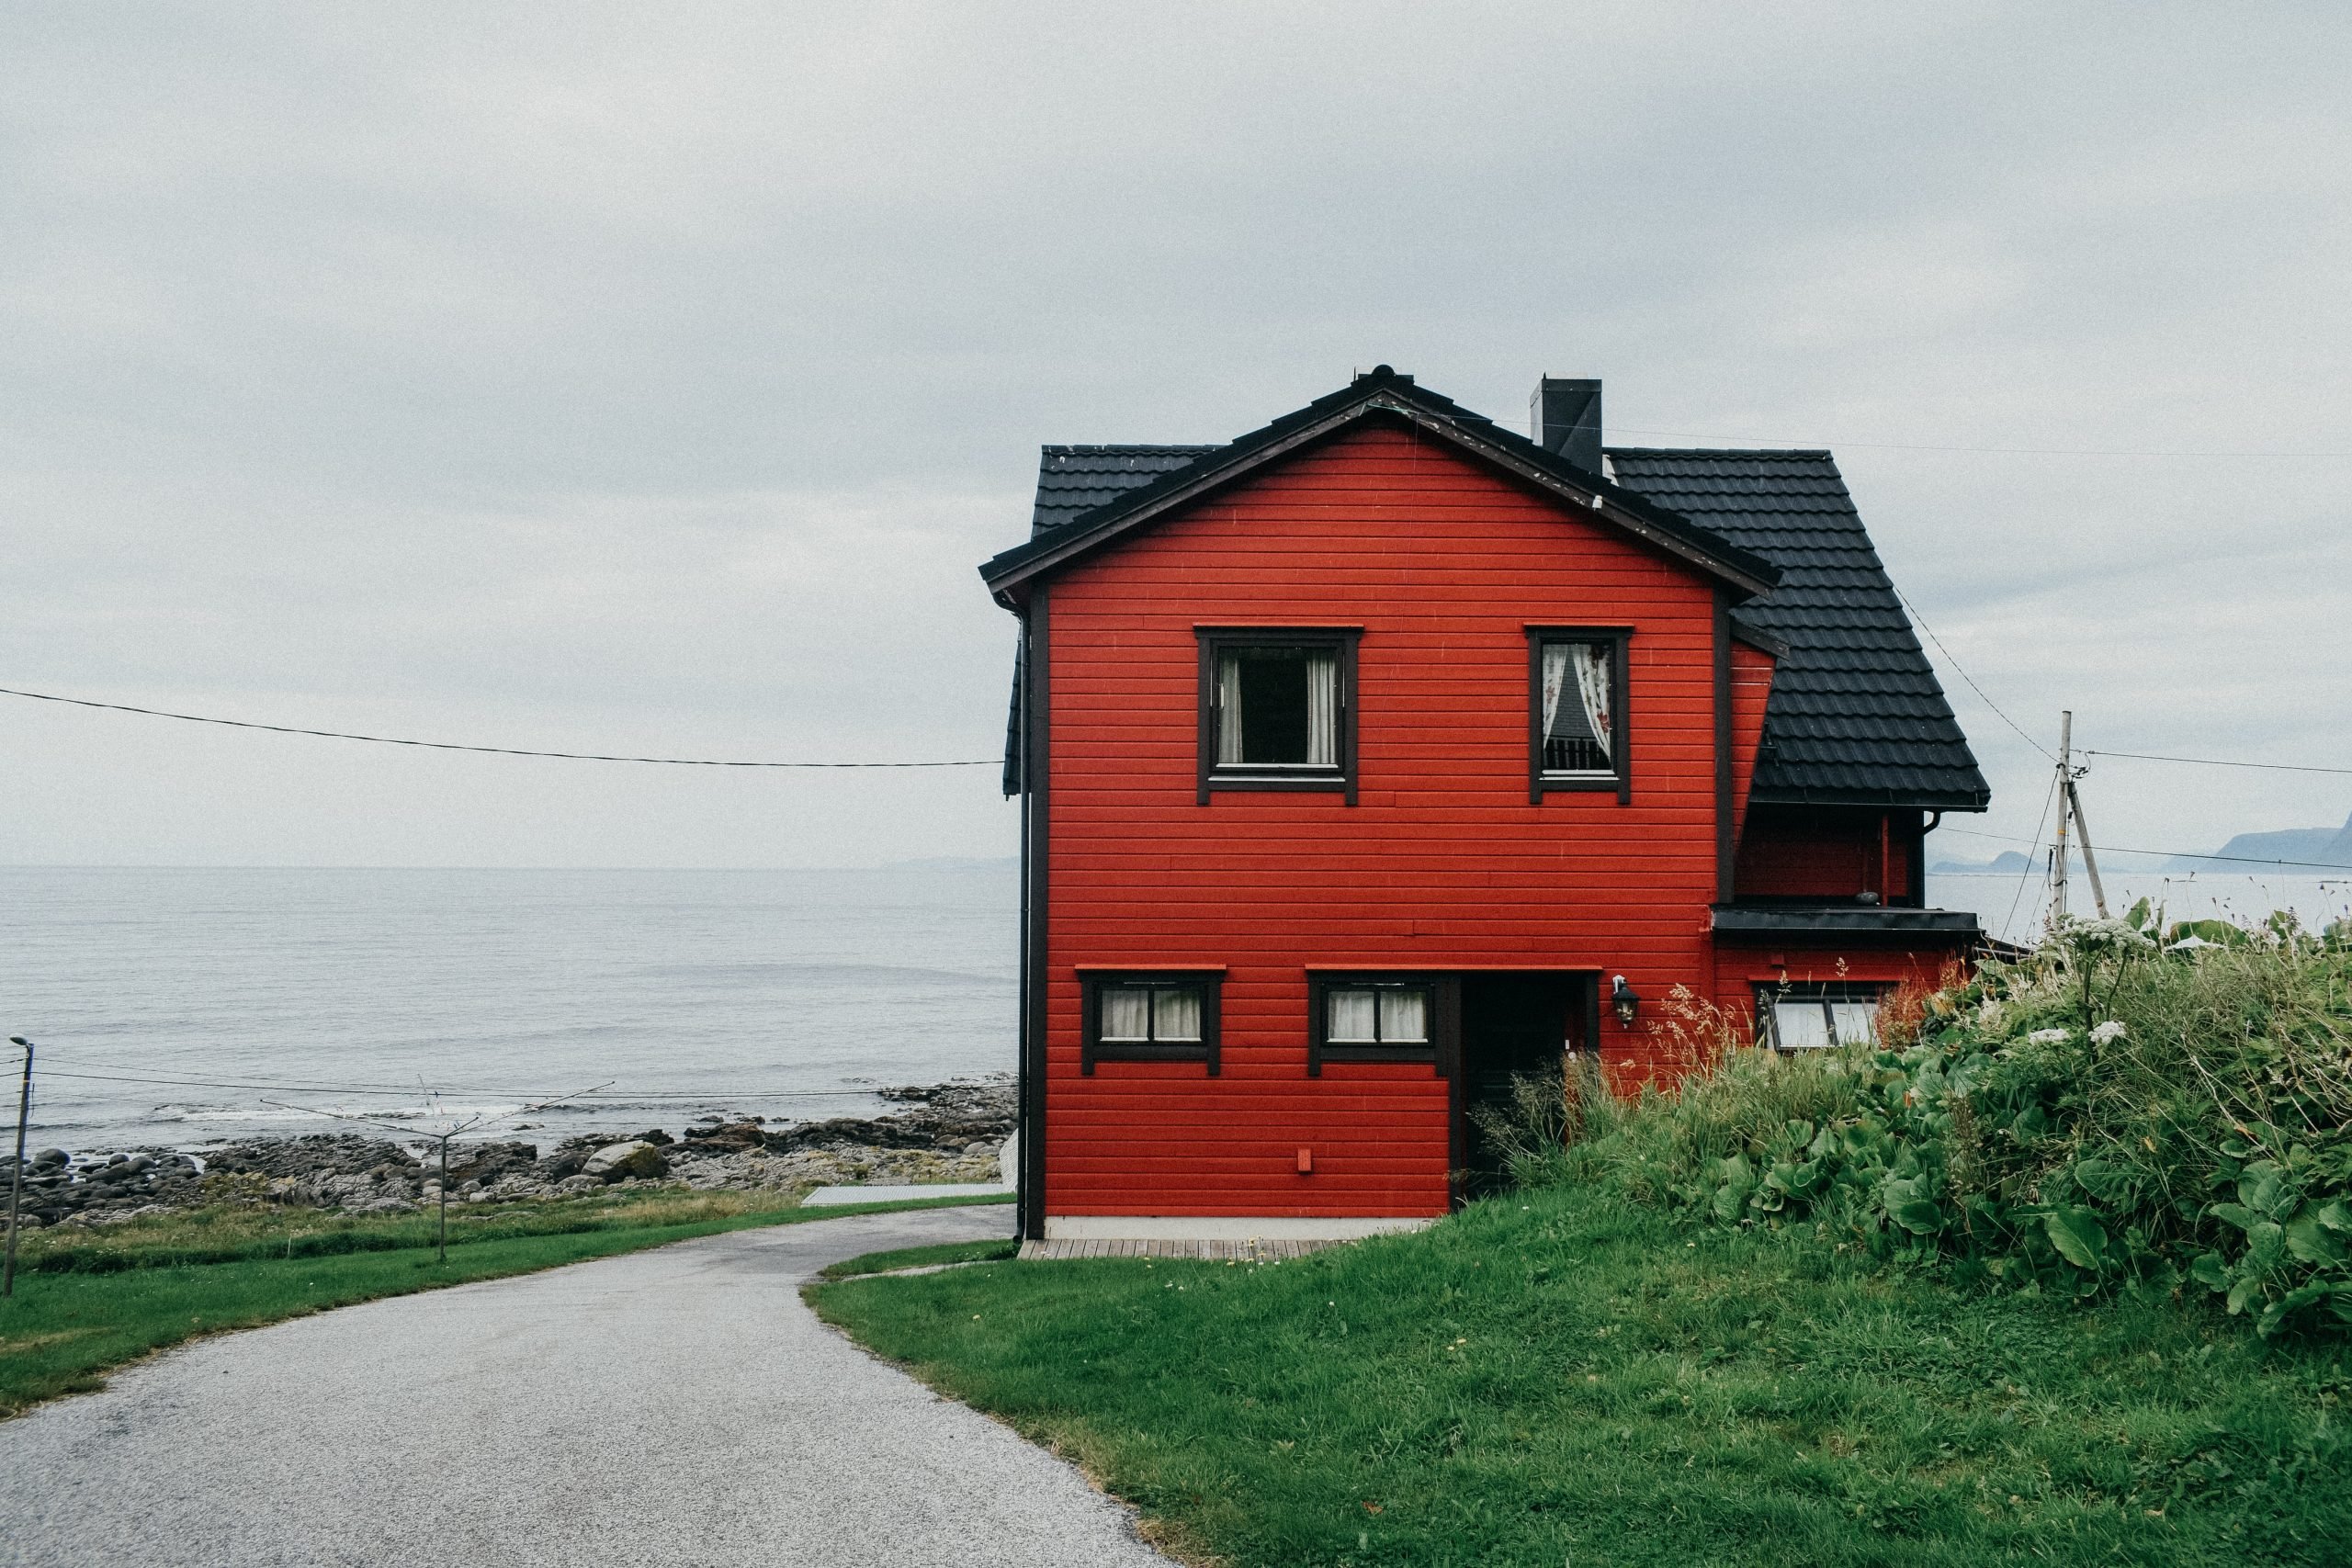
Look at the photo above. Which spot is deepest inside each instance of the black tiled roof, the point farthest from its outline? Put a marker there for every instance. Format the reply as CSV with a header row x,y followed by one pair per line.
x,y
1140,488
1856,717
1857,714
1074,481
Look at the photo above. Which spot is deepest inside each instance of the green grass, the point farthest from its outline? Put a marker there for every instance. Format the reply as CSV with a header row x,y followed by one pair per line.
x,y
919,1258
1567,1377
85,1303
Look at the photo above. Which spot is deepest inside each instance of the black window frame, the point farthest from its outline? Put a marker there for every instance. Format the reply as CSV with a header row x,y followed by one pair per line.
x,y
1769,996
1093,1048
1321,1048
1619,779
1214,642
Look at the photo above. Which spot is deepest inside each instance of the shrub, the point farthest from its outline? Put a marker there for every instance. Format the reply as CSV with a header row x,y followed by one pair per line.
x,y
2108,1109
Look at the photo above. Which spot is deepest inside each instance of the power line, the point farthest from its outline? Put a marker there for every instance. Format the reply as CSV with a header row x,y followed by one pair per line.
x,y
453,746
2010,920
2218,763
1962,671
2178,854
2199,453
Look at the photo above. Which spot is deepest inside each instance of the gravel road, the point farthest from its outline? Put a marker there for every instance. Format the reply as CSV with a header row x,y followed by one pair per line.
x,y
678,1406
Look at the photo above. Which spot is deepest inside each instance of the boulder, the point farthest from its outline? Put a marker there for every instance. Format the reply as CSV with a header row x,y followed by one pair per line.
x,y
622,1159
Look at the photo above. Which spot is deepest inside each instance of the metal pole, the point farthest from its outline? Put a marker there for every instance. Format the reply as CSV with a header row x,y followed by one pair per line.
x,y
16,1172
2090,858
2065,800
443,1245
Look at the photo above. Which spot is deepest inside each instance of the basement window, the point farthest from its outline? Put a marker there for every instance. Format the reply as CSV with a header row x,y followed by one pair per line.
x,y
1815,1017
1150,1018
1277,709
1576,678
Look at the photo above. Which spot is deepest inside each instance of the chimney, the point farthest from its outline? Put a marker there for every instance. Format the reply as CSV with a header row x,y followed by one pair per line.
x,y
1565,415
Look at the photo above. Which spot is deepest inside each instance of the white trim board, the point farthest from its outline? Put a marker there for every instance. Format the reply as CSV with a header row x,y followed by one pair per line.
x,y
1228,1227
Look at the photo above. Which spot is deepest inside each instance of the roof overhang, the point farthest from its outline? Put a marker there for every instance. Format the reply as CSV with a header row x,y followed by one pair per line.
x,y
1381,396
1875,800
1834,923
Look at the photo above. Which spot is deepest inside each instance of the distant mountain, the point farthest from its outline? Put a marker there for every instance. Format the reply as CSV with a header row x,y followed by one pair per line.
x,y
2008,861
2317,846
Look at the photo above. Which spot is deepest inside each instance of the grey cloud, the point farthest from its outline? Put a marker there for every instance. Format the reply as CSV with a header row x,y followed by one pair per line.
x,y
591,375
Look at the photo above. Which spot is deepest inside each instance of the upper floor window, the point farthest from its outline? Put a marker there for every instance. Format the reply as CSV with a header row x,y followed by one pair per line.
x,y
1576,710
1277,709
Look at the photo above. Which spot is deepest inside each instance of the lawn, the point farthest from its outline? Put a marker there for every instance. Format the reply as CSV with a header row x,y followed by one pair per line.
x,y
1564,1377
87,1301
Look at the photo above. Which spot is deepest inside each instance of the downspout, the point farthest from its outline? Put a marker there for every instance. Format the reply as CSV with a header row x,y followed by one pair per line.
x,y
1021,1129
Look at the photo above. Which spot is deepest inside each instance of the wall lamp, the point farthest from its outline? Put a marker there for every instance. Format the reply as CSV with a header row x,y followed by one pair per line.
x,y
1625,1000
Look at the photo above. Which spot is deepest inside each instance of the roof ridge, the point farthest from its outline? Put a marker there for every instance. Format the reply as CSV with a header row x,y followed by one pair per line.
x,y
1721,451
1126,447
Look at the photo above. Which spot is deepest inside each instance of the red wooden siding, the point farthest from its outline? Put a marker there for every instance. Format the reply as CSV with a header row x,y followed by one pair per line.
x,y
1825,855
1444,864
1751,686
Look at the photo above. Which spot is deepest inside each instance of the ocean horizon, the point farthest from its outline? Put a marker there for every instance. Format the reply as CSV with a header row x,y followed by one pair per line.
x,y
179,1006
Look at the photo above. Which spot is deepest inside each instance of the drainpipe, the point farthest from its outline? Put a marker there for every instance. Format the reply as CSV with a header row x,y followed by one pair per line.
x,y
1021,1128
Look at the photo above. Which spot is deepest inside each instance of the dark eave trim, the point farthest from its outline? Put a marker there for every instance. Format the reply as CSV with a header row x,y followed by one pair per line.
x,y
1755,636
1845,922
1911,799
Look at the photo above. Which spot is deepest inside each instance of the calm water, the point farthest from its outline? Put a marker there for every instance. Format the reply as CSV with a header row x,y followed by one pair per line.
x,y
2183,895
782,994
771,993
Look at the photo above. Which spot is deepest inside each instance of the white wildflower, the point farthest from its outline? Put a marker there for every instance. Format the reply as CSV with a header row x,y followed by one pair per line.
x,y
2089,937
2047,1036
2108,1033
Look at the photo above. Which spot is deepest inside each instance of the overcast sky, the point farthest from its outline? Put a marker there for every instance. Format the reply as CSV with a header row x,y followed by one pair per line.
x,y
652,379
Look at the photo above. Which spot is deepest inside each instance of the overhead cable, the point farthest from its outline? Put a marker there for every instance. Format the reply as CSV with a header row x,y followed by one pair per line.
x,y
2218,763
455,745
1962,670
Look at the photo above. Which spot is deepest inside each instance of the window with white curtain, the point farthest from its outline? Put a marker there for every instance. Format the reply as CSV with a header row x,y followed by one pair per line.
x,y
1799,1017
1150,1017
1371,1019
1274,709
1578,728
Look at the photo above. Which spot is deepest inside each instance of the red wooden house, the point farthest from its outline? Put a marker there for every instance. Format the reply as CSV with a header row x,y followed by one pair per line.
x,y
1382,752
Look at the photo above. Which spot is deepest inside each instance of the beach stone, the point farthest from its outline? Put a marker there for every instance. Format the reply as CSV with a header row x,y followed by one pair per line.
x,y
617,1161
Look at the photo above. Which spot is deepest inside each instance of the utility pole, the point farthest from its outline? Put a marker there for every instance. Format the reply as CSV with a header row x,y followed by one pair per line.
x,y
16,1172
2083,831
2070,815
2065,795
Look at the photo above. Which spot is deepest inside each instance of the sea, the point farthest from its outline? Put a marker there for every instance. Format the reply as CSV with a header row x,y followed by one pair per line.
x,y
180,1007
177,1008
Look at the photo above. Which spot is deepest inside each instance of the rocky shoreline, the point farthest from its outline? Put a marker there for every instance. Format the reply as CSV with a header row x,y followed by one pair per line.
x,y
951,1132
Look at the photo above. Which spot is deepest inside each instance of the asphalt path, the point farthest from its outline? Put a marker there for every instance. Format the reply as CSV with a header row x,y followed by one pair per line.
x,y
676,1407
